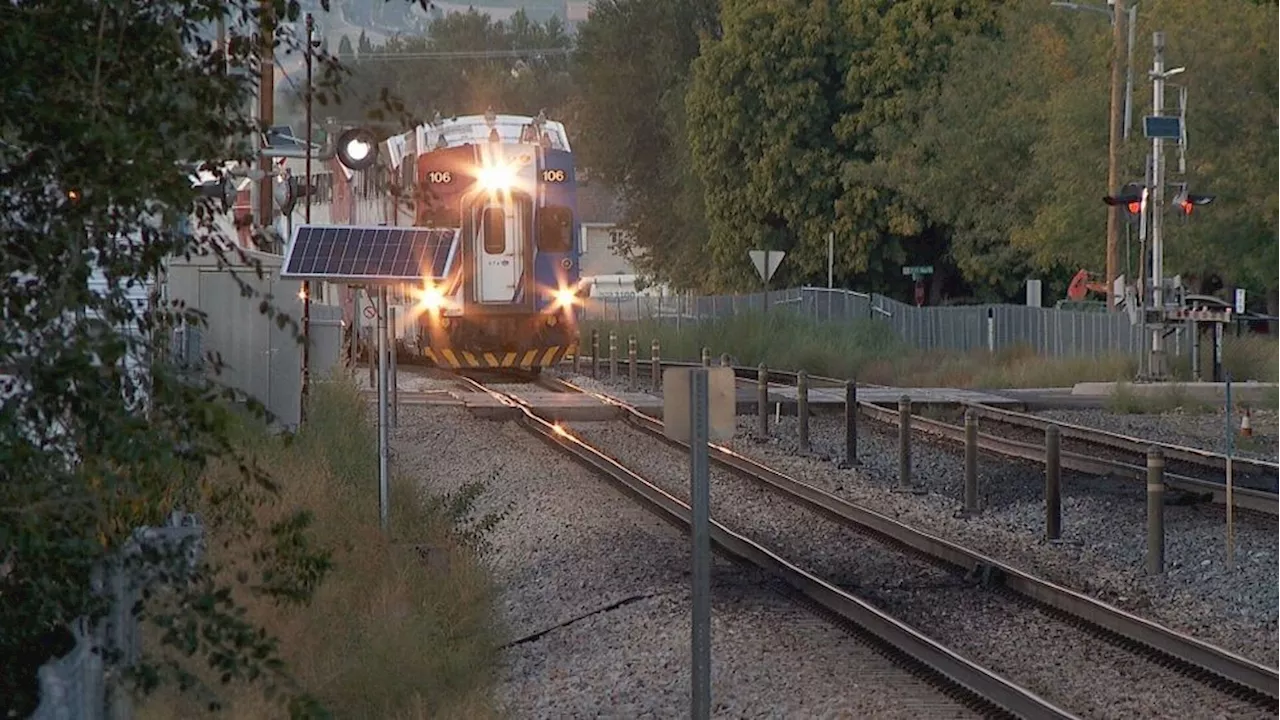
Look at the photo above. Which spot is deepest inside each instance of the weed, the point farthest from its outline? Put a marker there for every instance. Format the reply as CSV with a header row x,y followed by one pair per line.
x,y
386,635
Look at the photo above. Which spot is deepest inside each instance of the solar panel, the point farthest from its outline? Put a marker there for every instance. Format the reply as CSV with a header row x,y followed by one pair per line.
x,y
389,254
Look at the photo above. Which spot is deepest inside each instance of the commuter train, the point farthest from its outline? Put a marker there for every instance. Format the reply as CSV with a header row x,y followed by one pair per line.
x,y
502,190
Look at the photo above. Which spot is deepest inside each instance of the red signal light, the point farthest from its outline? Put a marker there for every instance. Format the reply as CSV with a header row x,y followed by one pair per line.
x,y
1135,208
1187,206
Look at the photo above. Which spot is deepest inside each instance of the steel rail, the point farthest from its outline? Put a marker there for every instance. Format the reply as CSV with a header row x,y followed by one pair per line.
x,y
978,681
1259,501
1230,667
1126,443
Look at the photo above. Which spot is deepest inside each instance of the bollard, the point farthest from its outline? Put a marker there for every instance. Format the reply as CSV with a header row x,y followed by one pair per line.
x,y
802,408
904,442
655,367
595,353
725,361
1155,511
970,462
613,355
850,422
706,357
631,363
577,358
762,401
1052,485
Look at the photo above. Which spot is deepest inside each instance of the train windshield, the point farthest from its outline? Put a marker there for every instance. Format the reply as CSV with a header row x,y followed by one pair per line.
x,y
555,229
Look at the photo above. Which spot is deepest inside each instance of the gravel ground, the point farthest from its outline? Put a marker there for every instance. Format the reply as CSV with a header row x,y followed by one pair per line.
x,y
1104,540
1202,430
572,546
1090,677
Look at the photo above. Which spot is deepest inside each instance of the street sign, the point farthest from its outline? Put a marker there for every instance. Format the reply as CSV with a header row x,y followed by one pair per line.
x,y
698,405
917,270
1162,127
1240,300
766,262
370,312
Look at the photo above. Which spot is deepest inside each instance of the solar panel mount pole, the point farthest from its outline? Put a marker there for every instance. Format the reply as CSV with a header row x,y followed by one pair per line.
x,y
383,441
306,217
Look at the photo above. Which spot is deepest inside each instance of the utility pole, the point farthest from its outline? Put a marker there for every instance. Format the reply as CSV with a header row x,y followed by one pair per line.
x,y
1119,54
306,218
1157,367
266,103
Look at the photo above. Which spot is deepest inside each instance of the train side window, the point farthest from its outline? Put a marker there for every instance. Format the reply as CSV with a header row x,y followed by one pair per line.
x,y
495,231
555,229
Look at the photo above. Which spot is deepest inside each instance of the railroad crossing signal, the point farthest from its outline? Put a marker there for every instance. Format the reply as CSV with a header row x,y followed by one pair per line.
x,y
1131,197
1186,202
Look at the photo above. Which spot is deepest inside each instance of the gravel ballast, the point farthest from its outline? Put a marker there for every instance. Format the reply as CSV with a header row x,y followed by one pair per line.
x,y
1104,528
571,546
1068,665
1206,431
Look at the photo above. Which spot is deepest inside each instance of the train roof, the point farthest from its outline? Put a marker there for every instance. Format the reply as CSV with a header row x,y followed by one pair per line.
x,y
472,130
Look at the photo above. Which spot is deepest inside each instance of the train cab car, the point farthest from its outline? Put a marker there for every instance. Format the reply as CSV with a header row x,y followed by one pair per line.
x,y
505,186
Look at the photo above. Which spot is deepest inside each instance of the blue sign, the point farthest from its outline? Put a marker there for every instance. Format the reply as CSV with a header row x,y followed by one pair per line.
x,y
1165,128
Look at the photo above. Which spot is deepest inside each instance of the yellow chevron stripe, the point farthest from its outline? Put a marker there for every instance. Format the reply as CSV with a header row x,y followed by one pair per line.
x,y
550,353
431,355
509,359
528,358
491,359
450,358
471,359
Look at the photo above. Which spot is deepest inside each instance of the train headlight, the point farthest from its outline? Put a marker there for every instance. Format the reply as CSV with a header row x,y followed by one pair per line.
x,y
496,177
357,148
565,297
432,299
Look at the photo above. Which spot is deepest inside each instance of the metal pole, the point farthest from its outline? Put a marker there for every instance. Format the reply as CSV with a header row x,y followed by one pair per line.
x,y
631,363
1157,367
655,364
266,104
306,217
762,401
595,353
1144,271
1052,483
1155,511
394,380
1118,17
701,505
802,408
371,343
904,442
613,356
851,422
970,462
1231,512
384,449
831,265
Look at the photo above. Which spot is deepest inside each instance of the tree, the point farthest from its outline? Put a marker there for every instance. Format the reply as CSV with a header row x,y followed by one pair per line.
x,y
432,73
106,106
364,46
788,113
344,47
630,73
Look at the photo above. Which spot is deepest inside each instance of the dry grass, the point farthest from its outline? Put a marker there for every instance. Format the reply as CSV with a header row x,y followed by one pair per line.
x,y
388,634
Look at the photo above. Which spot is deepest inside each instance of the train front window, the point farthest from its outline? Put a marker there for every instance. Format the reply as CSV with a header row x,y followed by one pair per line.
x,y
555,229
495,230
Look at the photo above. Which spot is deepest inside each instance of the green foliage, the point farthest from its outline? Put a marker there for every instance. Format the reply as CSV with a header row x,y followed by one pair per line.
x,y
630,70
785,115
105,107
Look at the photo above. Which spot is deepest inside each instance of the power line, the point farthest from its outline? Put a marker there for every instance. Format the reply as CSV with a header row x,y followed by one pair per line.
x,y
455,54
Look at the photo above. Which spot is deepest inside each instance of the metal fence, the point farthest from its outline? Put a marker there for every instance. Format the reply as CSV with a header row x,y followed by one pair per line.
x,y
85,683
1048,331
261,358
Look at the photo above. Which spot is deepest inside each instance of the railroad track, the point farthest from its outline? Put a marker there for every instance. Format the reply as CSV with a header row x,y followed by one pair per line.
x,y
1218,670
1198,472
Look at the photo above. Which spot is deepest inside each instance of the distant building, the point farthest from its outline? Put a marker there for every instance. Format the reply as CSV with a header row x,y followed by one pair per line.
x,y
600,211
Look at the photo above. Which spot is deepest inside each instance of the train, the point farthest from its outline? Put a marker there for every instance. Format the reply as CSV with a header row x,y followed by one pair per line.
x,y
503,190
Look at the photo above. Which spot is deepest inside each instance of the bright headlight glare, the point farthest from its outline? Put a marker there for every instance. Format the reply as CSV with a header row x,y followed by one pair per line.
x,y
565,297
495,177
357,149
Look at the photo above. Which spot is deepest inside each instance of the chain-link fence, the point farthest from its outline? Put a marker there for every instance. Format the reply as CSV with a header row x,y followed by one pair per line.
x,y
1048,331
